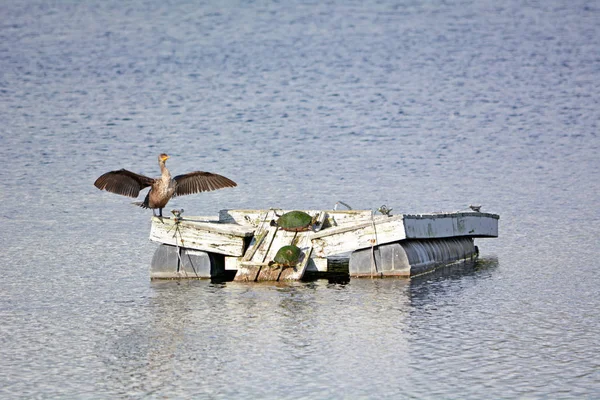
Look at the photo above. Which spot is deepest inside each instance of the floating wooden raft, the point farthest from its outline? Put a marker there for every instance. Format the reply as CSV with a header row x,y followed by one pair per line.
x,y
250,242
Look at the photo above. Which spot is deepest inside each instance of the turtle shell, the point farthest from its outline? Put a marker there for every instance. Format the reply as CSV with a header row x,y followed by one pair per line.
x,y
295,221
288,256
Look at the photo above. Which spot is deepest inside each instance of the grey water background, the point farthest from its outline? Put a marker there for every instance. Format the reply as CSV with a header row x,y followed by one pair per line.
x,y
420,105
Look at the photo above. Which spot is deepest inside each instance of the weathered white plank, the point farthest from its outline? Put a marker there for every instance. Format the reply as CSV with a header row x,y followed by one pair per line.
x,y
232,263
260,236
262,240
254,259
249,217
316,263
256,263
268,273
247,273
365,233
197,218
212,225
346,217
258,217
280,239
265,254
206,236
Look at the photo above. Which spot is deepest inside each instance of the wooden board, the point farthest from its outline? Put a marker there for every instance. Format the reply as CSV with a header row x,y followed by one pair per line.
x,y
253,260
213,237
256,217
257,263
365,233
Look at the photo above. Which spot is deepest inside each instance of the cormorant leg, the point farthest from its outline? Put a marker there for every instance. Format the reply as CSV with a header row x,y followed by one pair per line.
x,y
160,212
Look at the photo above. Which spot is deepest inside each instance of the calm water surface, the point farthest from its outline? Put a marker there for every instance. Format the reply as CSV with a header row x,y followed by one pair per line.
x,y
420,105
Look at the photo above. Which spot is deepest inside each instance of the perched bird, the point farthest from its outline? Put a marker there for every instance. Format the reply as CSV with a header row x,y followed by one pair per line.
x,y
476,208
129,184
385,210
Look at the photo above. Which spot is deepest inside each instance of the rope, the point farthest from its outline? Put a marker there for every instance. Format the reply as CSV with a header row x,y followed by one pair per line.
x,y
374,242
180,264
177,219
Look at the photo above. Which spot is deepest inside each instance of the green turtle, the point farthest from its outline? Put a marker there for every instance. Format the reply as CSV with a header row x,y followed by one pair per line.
x,y
287,256
294,221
